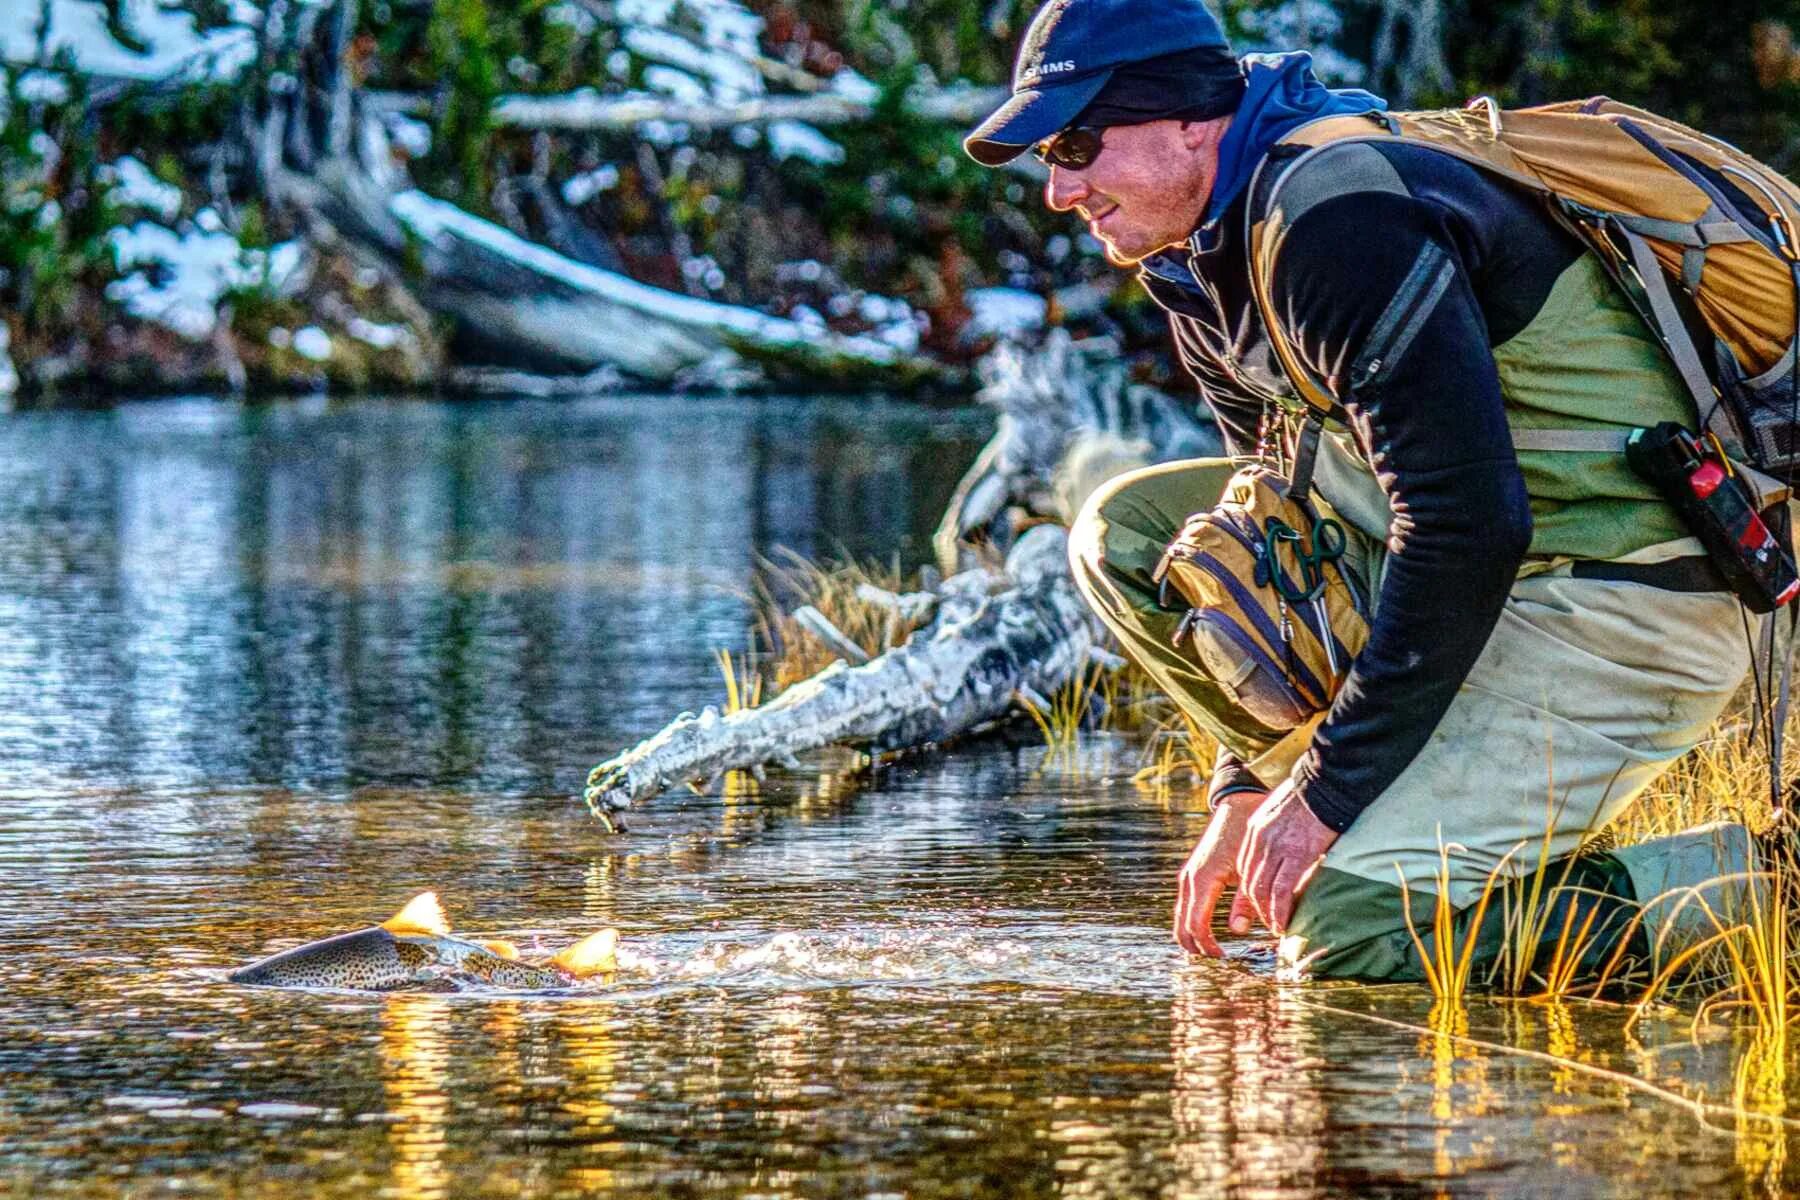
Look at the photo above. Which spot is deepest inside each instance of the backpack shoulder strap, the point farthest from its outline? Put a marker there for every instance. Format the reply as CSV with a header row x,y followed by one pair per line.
x,y
1287,185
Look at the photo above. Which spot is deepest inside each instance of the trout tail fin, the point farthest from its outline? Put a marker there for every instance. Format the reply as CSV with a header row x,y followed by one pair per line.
x,y
592,955
422,915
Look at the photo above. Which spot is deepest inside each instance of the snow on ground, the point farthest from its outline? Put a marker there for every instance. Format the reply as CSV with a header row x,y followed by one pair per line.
x,y
572,16
676,84
796,139
177,279
732,79
853,87
579,189
893,318
80,26
1005,312
9,377
312,342
134,185
43,87
382,337
412,136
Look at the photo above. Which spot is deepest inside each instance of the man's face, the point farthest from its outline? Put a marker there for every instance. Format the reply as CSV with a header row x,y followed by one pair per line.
x,y
1147,188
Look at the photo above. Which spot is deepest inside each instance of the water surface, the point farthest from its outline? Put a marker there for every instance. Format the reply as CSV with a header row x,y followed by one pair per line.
x,y
266,672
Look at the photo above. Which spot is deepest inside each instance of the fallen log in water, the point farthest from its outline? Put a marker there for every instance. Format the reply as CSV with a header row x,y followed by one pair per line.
x,y
1069,420
548,308
994,637
541,309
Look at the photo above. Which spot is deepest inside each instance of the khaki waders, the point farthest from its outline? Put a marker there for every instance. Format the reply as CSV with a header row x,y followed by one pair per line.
x,y
1586,691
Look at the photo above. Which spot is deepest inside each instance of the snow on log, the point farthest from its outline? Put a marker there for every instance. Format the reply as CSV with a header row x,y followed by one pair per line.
x,y
950,678
586,110
553,310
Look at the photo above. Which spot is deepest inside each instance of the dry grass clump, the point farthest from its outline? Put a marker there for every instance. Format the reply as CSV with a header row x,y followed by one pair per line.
x,y
787,581
1449,966
1084,700
743,684
1178,753
1724,778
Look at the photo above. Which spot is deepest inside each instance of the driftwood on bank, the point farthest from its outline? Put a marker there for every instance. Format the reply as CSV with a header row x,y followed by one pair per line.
x,y
546,312
993,638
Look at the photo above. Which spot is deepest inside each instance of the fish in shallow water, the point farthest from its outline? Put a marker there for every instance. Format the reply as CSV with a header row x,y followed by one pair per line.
x,y
414,951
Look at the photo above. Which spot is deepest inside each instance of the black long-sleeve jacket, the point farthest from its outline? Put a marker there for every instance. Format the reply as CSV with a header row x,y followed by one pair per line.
x,y
1429,415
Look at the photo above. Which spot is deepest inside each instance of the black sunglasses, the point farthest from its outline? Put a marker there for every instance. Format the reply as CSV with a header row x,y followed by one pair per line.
x,y
1073,149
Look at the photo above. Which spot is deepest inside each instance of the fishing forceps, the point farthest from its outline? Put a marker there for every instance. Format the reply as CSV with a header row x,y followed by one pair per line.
x,y
1328,545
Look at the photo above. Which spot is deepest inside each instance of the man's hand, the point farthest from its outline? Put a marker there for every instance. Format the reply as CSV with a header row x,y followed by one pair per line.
x,y
1280,850
1209,870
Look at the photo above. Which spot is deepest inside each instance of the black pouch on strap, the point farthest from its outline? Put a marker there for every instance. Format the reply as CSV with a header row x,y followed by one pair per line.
x,y
1754,558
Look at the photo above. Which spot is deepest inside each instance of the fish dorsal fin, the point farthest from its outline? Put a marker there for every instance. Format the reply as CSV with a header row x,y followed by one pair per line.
x,y
592,955
422,915
503,948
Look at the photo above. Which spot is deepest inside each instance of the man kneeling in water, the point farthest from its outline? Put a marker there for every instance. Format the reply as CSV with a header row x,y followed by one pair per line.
x,y
1546,636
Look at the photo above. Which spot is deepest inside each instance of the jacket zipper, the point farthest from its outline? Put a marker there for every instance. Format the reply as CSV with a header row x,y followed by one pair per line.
x,y
1412,305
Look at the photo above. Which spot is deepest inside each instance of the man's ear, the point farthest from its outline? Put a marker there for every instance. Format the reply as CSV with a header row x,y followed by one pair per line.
x,y
1196,135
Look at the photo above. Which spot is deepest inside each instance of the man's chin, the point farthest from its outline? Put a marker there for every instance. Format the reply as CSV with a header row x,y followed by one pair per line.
x,y
1127,256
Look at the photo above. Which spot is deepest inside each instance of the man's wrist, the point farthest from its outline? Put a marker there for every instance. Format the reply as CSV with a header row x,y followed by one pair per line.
x,y
1334,811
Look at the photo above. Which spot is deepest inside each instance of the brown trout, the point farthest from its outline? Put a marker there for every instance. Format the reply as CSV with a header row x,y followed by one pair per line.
x,y
413,951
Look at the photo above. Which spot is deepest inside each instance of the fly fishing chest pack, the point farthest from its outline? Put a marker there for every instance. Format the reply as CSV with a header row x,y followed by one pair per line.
x,y
1273,615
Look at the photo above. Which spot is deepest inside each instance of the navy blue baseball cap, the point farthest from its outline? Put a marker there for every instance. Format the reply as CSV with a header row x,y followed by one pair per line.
x,y
1071,51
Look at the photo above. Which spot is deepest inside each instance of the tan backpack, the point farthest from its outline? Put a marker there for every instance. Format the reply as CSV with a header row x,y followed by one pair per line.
x,y
1644,193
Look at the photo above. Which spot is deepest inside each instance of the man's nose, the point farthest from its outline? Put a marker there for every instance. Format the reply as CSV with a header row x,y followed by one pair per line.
x,y
1064,190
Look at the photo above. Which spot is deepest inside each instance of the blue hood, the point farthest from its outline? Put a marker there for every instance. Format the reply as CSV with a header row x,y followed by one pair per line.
x,y
1282,94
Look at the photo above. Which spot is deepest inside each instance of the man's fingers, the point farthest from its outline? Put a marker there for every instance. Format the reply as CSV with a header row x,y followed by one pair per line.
x,y
1202,916
1194,911
1257,873
1263,889
1241,912
1184,899
1281,896
1243,907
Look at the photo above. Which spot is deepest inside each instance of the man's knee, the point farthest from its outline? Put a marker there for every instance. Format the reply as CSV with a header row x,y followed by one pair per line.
x,y
1111,557
1576,919
1118,536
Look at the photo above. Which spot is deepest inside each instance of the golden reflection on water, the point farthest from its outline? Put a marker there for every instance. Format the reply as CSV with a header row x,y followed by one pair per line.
x,y
415,1066
600,890
786,1056
1091,1162
1246,1103
1461,1093
1761,1088
591,1074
